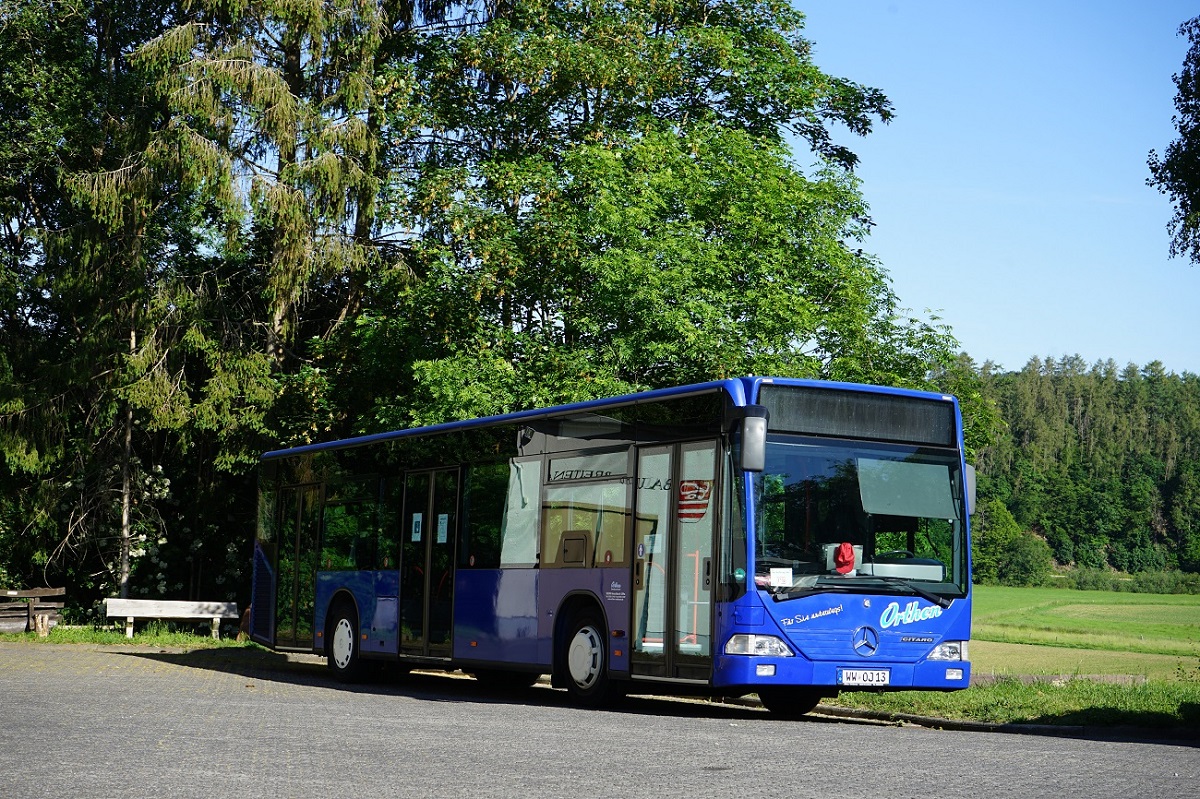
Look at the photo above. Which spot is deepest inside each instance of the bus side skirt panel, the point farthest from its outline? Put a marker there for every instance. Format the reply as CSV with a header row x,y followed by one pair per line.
x,y
496,616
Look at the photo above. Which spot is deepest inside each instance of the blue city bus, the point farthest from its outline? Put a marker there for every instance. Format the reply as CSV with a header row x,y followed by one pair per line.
x,y
780,537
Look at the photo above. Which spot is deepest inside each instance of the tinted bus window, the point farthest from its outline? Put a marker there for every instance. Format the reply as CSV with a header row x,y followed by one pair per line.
x,y
483,505
350,525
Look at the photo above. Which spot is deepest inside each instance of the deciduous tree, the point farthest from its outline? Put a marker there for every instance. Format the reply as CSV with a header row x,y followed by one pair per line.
x,y
1176,173
604,201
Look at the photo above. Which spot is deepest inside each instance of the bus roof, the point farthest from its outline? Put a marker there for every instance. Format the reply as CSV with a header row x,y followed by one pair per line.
x,y
739,390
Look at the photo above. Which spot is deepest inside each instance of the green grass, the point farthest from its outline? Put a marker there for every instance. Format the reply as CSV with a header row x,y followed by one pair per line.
x,y
991,659
1060,656
161,634
1166,706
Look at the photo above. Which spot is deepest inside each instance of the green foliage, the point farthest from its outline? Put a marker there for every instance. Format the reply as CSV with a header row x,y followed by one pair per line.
x,y
229,227
1005,554
1086,579
1163,582
1028,561
982,422
1176,173
124,330
608,206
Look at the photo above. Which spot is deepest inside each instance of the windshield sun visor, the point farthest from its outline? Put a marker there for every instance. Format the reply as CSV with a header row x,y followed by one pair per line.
x,y
901,488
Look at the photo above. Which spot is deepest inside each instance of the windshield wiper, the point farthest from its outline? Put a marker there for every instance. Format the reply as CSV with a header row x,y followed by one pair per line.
x,y
798,591
850,585
900,582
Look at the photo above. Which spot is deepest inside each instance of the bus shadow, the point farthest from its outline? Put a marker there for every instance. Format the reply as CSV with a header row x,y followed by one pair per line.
x,y
250,662
434,686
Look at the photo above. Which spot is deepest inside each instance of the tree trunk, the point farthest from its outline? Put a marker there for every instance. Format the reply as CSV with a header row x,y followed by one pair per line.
x,y
127,489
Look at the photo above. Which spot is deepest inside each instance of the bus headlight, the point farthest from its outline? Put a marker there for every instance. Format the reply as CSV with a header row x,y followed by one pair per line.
x,y
760,645
949,650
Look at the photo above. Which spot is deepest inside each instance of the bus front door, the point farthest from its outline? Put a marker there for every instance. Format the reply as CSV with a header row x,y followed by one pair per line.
x,y
676,518
426,562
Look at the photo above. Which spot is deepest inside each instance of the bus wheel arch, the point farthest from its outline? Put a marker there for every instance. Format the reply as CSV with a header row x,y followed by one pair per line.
x,y
581,656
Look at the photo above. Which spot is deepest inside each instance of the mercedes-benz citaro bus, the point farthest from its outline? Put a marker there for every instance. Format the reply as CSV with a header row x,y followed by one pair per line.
x,y
786,538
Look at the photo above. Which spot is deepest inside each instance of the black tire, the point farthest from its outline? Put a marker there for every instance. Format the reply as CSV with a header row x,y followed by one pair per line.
x,y
583,661
790,703
342,652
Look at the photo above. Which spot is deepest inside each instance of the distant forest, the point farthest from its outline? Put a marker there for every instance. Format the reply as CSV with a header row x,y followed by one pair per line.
x,y
1101,463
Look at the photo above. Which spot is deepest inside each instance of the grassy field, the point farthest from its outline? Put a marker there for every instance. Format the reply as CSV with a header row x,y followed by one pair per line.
x,y
1103,621
1060,656
991,660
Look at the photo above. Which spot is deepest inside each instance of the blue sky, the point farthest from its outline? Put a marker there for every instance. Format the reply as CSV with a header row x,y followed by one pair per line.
x,y
1009,193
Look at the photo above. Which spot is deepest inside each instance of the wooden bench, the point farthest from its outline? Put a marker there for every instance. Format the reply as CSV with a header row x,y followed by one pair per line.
x,y
176,610
28,610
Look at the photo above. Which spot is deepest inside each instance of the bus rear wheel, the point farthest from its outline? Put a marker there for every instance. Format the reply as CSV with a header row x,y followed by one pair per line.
x,y
342,652
790,702
583,660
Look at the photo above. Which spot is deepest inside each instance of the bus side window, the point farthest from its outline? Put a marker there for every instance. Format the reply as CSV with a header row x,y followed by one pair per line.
x,y
519,529
350,525
585,524
483,507
611,535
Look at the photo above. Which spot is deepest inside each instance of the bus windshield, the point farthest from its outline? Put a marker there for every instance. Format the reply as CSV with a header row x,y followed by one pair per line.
x,y
859,517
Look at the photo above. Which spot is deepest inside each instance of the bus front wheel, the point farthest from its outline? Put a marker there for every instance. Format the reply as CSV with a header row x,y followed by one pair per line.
x,y
583,658
789,703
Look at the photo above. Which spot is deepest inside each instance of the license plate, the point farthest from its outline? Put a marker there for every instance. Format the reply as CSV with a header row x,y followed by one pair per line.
x,y
867,677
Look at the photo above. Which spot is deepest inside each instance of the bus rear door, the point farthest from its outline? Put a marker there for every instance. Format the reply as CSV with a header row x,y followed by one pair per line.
x,y
427,562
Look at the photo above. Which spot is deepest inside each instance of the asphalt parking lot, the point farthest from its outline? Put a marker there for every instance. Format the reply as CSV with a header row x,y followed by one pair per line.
x,y
95,722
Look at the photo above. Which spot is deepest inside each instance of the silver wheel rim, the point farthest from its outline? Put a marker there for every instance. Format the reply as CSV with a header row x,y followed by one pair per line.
x,y
585,656
343,643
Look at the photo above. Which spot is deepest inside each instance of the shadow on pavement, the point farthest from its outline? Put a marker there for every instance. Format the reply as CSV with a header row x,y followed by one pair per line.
x,y
1112,723
434,686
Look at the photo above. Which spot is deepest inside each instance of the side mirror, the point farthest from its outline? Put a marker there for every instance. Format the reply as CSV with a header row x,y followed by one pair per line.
x,y
970,475
754,439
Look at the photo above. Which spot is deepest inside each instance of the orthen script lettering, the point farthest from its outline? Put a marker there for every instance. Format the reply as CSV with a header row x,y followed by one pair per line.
x,y
893,616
